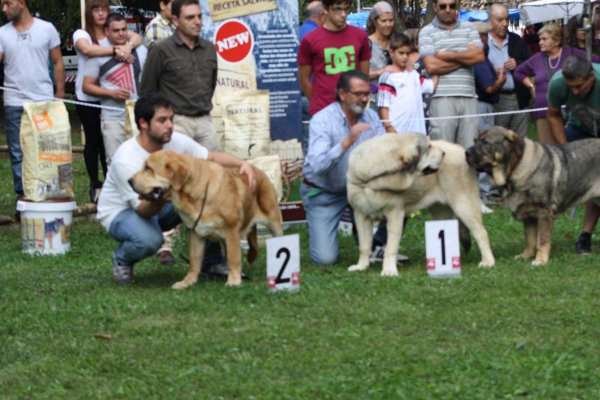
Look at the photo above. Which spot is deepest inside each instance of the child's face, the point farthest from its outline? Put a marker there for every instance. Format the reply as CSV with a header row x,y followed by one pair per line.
x,y
400,56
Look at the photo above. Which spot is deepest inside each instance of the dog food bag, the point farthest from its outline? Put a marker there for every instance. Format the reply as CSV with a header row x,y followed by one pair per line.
x,y
130,128
271,166
247,124
46,145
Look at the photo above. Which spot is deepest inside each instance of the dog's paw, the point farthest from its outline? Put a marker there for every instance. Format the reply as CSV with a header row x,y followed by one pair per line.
x,y
234,281
537,263
389,272
486,264
358,267
182,285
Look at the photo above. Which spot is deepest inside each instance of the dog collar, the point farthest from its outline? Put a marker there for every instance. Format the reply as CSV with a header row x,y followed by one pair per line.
x,y
512,170
202,208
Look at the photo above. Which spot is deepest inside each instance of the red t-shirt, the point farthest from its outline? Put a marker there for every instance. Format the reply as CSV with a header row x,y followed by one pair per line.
x,y
330,54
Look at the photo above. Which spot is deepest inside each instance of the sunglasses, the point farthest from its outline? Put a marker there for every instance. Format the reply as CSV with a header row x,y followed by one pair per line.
x,y
447,6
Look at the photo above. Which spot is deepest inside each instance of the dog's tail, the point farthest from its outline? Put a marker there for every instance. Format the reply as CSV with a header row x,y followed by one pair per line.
x,y
464,236
253,242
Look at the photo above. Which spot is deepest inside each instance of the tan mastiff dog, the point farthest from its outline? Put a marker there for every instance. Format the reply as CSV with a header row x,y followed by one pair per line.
x,y
394,174
215,203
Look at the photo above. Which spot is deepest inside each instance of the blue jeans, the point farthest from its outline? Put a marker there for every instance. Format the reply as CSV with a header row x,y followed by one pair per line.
x,y
576,133
12,121
142,237
323,214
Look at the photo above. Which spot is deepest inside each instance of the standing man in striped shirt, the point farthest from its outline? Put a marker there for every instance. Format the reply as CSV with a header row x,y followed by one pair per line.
x,y
449,48
161,26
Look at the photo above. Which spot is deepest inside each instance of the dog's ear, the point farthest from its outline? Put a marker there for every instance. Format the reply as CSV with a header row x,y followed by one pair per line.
x,y
512,136
179,174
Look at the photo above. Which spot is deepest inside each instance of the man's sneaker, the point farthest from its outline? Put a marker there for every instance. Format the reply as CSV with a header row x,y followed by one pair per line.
x,y
219,269
584,244
165,257
379,252
485,209
122,271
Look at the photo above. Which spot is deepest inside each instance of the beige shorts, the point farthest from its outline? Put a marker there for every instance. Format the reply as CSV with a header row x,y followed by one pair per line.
x,y
113,134
201,129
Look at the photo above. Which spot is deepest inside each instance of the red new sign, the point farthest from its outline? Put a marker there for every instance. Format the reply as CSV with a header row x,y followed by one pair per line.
x,y
234,41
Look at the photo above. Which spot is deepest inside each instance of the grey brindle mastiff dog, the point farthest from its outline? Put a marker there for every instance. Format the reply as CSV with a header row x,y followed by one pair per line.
x,y
538,181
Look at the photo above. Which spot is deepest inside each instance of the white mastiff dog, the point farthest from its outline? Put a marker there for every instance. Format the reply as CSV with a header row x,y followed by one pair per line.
x,y
394,174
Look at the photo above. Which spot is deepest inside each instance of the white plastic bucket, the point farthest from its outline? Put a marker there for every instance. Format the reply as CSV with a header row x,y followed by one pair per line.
x,y
46,226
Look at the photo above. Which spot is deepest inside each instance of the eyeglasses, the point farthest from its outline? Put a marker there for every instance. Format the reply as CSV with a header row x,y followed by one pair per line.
x,y
360,94
339,10
100,10
447,6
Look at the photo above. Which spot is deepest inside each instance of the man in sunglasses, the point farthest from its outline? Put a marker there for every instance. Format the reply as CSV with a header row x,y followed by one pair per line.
x,y
334,132
449,48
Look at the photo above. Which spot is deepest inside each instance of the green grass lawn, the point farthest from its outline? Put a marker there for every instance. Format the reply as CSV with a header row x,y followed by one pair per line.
x,y
510,332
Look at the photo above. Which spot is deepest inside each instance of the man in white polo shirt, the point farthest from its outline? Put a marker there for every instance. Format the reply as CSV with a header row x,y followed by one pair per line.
x,y
450,48
138,224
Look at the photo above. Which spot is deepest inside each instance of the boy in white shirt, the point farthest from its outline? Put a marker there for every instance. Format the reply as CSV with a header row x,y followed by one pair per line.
x,y
400,98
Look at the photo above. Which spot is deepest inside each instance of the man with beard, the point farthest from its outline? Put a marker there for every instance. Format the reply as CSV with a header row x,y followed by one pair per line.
x,y
138,224
506,51
334,132
26,43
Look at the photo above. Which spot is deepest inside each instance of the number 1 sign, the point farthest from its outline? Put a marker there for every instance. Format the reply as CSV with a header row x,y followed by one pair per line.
x,y
283,263
442,248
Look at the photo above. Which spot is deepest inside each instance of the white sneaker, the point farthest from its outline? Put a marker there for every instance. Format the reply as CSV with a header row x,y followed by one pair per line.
x,y
485,209
379,252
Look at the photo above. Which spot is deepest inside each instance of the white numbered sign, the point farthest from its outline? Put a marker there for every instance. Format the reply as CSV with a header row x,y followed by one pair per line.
x,y
283,262
442,248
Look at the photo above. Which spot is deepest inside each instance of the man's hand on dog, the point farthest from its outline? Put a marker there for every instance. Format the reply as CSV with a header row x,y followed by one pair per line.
x,y
246,169
353,134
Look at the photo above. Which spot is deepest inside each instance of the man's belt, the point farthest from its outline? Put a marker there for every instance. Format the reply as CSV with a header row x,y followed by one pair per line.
x,y
310,184
198,115
507,92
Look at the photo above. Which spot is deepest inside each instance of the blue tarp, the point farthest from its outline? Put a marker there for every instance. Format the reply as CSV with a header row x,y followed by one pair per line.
x,y
472,15
360,19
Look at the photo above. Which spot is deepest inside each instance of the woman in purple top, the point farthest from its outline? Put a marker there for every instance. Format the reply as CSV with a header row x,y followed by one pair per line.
x,y
541,67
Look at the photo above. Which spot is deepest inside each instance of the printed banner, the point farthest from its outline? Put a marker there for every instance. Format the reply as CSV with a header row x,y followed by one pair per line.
x,y
222,9
257,51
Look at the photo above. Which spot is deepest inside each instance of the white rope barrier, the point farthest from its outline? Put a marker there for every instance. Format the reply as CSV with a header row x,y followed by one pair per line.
x,y
41,97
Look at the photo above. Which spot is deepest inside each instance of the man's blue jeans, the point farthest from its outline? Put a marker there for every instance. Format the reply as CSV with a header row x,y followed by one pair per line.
x,y
12,123
323,214
142,237
576,133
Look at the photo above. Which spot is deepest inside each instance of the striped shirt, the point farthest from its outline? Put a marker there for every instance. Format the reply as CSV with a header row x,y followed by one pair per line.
x,y
159,28
326,163
435,37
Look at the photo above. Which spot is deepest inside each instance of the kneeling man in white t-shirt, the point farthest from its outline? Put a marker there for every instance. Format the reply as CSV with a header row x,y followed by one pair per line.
x,y
138,224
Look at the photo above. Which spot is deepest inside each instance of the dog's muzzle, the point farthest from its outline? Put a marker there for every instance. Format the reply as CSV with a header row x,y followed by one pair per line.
x,y
153,195
429,171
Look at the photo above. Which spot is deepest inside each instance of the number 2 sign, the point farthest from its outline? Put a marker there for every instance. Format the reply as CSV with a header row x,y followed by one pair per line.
x,y
442,248
283,263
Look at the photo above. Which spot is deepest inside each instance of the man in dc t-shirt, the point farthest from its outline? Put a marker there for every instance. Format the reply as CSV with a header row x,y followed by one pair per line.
x,y
25,45
114,82
138,224
327,52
